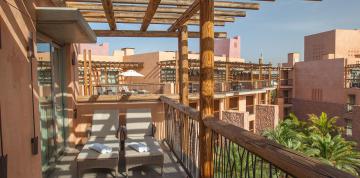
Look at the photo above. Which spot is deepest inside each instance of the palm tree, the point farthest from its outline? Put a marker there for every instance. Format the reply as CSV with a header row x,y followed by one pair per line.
x,y
335,151
323,124
287,133
318,138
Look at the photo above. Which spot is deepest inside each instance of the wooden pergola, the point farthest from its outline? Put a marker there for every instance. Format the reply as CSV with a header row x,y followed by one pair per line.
x,y
177,14
227,72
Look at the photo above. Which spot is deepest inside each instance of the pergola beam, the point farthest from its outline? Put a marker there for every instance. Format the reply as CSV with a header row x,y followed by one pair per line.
x,y
149,14
133,8
217,4
121,14
153,21
153,34
193,9
109,13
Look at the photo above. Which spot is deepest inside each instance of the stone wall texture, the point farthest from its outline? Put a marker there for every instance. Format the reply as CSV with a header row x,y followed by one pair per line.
x,y
266,117
236,118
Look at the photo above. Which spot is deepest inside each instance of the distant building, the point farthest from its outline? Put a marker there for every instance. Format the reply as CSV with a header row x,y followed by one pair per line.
x,y
229,47
332,44
328,80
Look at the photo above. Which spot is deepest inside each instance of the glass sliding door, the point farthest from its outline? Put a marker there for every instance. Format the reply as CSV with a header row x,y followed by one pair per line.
x,y
45,83
58,100
50,73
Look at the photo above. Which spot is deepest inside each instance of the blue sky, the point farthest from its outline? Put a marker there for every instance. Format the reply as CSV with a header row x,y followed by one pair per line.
x,y
274,30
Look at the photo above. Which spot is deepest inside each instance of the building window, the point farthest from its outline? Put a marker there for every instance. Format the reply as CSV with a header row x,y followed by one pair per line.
x,y
251,126
351,101
348,127
235,45
234,103
193,105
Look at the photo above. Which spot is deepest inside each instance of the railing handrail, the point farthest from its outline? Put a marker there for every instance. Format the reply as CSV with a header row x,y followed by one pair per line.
x,y
127,84
187,110
290,161
287,160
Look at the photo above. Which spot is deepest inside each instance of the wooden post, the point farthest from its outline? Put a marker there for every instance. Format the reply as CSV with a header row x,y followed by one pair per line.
x,y
227,74
206,83
270,78
252,77
85,74
270,74
106,75
183,65
90,74
177,55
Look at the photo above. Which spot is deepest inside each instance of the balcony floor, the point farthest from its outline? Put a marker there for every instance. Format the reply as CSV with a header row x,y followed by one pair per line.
x,y
66,168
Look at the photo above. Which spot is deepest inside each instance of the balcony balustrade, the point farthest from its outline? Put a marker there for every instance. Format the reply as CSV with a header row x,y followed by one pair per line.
x,y
236,152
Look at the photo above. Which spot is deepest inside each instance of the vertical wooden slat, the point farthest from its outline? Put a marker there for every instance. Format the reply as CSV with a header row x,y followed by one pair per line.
x,y
90,74
177,74
206,83
85,74
106,75
270,78
183,65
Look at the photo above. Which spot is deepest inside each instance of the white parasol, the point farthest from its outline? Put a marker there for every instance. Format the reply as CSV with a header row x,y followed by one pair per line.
x,y
131,73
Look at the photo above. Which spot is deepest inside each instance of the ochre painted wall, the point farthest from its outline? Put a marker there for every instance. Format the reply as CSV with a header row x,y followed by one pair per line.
x,y
17,21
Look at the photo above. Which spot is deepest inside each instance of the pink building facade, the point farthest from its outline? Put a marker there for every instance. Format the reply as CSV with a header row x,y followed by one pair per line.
x,y
332,44
102,49
228,47
319,82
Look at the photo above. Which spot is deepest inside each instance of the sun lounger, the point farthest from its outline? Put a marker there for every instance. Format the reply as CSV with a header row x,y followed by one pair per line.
x,y
140,129
103,131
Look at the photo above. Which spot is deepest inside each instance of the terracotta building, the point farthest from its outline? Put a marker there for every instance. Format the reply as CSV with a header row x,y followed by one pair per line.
x,y
327,80
251,108
47,100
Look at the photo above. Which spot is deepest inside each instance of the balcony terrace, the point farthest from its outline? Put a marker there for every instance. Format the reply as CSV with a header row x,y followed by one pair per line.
x,y
50,116
233,151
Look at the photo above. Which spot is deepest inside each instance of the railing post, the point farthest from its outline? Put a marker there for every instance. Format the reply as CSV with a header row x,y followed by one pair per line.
x,y
206,83
90,74
85,74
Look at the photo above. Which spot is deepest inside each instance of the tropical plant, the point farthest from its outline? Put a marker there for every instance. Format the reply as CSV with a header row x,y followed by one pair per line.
x,y
318,138
323,124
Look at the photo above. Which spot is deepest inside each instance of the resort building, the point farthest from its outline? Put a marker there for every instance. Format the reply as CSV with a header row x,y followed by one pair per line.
x,y
243,96
327,80
52,120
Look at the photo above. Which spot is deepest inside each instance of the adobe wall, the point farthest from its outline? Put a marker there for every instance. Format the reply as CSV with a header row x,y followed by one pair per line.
x,y
347,43
86,110
266,117
325,76
151,70
239,119
15,91
317,45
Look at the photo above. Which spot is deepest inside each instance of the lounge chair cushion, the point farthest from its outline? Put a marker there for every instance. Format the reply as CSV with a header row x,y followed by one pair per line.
x,y
154,147
89,154
138,123
105,123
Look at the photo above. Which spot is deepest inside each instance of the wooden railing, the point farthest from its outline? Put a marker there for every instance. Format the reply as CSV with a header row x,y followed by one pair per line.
x,y
236,152
182,134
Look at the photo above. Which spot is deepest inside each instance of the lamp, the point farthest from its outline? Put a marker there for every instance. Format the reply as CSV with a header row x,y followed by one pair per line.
x,y
31,49
31,55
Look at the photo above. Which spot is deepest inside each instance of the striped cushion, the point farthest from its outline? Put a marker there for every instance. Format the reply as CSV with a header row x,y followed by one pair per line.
x,y
138,122
105,123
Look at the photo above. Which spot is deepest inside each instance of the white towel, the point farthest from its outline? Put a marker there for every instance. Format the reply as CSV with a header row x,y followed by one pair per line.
x,y
103,149
139,147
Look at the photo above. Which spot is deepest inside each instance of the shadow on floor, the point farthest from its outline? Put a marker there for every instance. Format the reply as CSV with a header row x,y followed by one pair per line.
x,y
66,168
